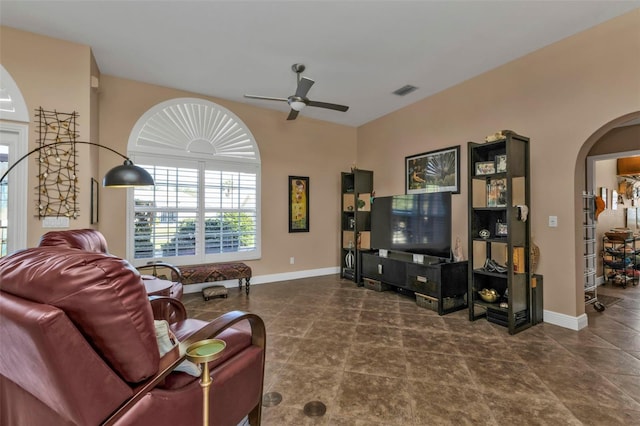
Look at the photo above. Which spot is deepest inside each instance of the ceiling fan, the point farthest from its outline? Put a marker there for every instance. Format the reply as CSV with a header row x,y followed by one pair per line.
x,y
299,100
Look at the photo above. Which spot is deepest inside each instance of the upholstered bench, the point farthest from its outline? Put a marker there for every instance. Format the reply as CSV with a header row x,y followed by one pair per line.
x,y
209,272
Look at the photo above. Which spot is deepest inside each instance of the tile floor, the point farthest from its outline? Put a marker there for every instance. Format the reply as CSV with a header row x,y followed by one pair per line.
x,y
379,359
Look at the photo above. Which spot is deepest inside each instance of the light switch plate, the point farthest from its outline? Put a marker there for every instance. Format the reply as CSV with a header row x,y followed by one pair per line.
x,y
553,221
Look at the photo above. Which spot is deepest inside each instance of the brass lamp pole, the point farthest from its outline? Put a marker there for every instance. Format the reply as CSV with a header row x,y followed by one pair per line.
x,y
203,352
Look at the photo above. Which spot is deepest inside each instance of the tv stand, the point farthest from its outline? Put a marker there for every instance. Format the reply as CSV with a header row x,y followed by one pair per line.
x,y
442,284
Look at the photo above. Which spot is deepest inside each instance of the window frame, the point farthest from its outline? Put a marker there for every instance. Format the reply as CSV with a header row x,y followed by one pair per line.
x,y
194,131
201,210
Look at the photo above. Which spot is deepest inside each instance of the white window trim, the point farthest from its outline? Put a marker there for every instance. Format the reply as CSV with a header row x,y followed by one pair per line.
x,y
18,107
18,186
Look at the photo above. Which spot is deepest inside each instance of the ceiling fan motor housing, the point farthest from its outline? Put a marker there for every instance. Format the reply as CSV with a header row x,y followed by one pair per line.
x,y
298,68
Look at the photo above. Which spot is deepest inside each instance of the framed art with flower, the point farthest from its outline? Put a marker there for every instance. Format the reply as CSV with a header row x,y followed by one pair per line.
x,y
298,204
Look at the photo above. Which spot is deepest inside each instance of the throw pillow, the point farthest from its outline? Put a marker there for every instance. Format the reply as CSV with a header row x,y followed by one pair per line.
x,y
166,342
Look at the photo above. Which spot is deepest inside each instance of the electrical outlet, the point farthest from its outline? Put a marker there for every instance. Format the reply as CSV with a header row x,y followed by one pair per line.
x,y
292,260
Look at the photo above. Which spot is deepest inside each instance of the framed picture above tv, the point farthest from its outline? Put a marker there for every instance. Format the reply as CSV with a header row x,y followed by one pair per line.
x,y
433,171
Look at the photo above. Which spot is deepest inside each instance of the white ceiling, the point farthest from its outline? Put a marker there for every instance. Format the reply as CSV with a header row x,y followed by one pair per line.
x,y
358,52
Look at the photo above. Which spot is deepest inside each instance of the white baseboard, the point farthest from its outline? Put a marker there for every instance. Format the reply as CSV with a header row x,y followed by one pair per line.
x,y
555,318
263,279
566,321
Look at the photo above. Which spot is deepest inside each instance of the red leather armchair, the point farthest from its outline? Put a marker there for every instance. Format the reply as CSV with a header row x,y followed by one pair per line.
x,y
93,241
78,347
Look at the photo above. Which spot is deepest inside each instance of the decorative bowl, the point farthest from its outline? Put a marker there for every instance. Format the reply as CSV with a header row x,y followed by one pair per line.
x,y
489,295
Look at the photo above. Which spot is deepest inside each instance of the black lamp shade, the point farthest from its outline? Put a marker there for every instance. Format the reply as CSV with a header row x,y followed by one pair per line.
x,y
126,175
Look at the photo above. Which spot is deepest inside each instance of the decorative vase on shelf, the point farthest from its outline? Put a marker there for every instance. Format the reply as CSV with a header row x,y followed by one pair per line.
x,y
349,258
534,252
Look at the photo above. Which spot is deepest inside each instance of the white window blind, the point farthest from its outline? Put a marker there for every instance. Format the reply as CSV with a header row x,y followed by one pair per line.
x,y
195,213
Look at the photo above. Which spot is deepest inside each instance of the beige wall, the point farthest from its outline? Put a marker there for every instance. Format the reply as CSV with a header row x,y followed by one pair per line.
x,y
303,147
54,75
558,96
563,97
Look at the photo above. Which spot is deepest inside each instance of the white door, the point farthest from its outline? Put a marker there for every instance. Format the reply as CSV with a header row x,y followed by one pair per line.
x,y
13,188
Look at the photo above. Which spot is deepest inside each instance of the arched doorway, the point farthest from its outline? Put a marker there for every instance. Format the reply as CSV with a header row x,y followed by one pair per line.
x,y
581,183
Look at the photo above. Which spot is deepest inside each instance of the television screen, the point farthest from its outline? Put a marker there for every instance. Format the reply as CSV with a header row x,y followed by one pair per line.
x,y
413,223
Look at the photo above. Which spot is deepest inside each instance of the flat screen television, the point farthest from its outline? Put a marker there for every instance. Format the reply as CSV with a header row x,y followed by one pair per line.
x,y
413,223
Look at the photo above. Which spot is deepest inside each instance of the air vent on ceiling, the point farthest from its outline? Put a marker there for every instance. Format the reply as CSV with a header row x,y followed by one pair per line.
x,y
404,90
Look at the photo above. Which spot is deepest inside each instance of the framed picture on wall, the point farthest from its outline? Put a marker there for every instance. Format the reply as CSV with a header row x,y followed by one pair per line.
x,y
95,200
298,204
433,171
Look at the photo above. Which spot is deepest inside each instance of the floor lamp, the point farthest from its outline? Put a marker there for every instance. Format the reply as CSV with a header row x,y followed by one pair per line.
x,y
124,176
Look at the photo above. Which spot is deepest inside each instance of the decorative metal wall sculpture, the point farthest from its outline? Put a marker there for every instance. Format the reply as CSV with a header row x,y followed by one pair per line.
x,y
57,174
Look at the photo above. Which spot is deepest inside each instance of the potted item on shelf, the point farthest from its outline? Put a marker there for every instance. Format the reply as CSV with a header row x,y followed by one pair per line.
x,y
489,295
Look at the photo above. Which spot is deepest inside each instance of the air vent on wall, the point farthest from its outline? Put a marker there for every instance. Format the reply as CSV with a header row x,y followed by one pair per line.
x,y
404,90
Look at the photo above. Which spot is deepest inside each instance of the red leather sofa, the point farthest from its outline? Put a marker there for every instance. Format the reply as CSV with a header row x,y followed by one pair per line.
x,y
93,241
78,347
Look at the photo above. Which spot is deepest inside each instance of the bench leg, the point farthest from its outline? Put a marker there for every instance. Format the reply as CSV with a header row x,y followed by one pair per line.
x,y
246,283
240,284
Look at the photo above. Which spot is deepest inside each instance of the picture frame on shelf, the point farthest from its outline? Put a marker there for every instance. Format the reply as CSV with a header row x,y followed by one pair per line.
x,y
501,229
497,193
433,171
298,204
485,168
501,163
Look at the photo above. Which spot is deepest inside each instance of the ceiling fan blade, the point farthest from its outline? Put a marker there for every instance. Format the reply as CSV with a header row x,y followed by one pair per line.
x,y
268,98
303,87
327,105
292,115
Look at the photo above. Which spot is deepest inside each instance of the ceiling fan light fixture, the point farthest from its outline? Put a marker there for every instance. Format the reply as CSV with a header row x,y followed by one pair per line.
x,y
297,105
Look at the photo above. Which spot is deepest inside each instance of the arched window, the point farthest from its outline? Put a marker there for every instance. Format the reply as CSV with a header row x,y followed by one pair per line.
x,y
204,206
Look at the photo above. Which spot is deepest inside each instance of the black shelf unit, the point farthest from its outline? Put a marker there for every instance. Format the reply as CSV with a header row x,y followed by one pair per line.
x,y
355,221
618,260
496,233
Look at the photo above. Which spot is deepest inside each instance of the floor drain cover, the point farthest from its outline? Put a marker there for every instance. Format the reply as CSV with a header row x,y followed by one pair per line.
x,y
315,409
270,399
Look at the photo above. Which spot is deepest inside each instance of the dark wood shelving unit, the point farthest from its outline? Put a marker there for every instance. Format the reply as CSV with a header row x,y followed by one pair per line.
x,y
355,220
496,232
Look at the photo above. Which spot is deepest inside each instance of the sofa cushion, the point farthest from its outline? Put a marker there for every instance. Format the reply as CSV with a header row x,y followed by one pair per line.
x,y
167,341
101,294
